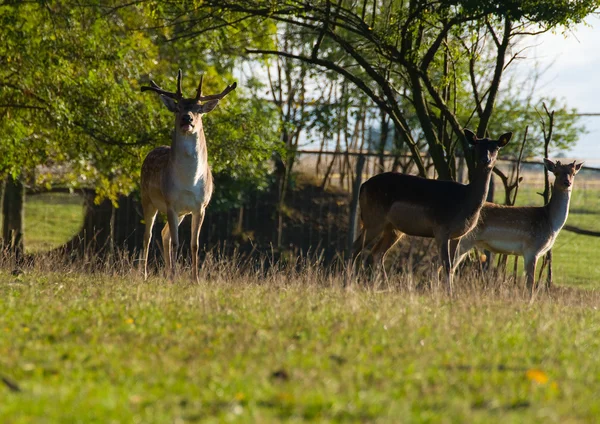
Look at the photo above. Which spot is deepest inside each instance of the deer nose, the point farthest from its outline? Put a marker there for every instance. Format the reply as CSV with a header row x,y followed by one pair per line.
x,y
567,183
187,119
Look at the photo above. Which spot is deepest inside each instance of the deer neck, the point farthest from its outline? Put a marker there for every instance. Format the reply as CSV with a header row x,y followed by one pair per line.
x,y
478,188
558,207
189,157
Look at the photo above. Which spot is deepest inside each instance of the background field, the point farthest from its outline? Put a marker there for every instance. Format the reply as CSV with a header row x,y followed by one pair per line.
x,y
52,219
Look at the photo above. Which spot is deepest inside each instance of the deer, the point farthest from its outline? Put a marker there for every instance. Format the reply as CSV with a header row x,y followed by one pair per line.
x,y
528,231
394,204
176,180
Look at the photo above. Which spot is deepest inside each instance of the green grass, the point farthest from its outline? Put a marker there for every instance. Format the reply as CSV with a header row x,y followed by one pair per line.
x,y
102,346
51,219
290,346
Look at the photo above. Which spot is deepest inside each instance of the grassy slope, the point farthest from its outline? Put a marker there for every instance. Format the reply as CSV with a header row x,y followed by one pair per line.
x,y
100,348
51,219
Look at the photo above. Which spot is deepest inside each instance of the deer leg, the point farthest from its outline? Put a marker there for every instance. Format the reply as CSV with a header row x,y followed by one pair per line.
x,y
364,239
443,246
453,250
197,220
166,242
459,249
170,237
394,237
379,252
530,261
149,217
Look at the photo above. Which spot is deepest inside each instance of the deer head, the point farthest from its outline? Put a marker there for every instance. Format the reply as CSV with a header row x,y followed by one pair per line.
x,y
563,174
486,150
188,111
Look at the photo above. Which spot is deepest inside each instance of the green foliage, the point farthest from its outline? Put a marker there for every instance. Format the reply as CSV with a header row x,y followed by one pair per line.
x,y
513,114
241,144
561,12
69,90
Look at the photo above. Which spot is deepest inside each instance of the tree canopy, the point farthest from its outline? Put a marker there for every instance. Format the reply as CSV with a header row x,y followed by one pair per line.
x,y
70,97
70,78
431,66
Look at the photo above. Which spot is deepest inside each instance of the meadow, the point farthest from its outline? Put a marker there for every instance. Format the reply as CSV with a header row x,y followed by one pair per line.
x,y
250,343
265,346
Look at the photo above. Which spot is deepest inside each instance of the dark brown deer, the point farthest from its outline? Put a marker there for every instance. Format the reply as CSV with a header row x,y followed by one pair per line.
x,y
176,180
528,231
394,204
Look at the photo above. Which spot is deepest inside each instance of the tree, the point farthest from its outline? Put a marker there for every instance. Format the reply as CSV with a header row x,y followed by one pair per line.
x,y
405,53
69,97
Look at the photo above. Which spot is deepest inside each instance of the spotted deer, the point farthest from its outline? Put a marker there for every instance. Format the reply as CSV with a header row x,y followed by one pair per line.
x,y
528,231
176,179
393,204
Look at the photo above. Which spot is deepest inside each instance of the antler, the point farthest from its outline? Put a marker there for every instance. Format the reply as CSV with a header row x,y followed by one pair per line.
x,y
155,87
200,98
178,95
199,89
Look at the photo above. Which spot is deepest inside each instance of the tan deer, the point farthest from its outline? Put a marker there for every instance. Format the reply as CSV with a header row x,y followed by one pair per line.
x,y
528,231
176,180
394,204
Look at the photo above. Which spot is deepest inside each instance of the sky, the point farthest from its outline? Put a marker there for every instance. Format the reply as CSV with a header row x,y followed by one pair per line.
x,y
574,75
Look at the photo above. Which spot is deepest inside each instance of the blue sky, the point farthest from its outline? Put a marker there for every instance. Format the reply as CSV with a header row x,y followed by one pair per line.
x,y
574,75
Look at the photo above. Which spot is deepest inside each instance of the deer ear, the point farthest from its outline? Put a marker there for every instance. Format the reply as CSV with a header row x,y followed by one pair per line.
x,y
470,136
578,167
209,106
170,103
504,139
550,166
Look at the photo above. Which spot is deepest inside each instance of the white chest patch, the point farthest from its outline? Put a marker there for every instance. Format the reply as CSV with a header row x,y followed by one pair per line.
x,y
188,147
186,186
188,198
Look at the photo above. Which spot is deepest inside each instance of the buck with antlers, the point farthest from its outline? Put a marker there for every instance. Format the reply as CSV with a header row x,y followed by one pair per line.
x,y
527,231
176,180
394,204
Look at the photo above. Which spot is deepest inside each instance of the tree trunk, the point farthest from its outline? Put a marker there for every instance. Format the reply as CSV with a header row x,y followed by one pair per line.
x,y
354,205
13,219
383,137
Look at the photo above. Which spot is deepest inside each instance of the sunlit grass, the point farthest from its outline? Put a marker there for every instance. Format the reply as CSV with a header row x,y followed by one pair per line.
x,y
248,345
51,219
290,344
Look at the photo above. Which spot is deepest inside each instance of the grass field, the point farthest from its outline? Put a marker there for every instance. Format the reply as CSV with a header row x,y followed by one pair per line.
x,y
252,346
51,219
289,344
